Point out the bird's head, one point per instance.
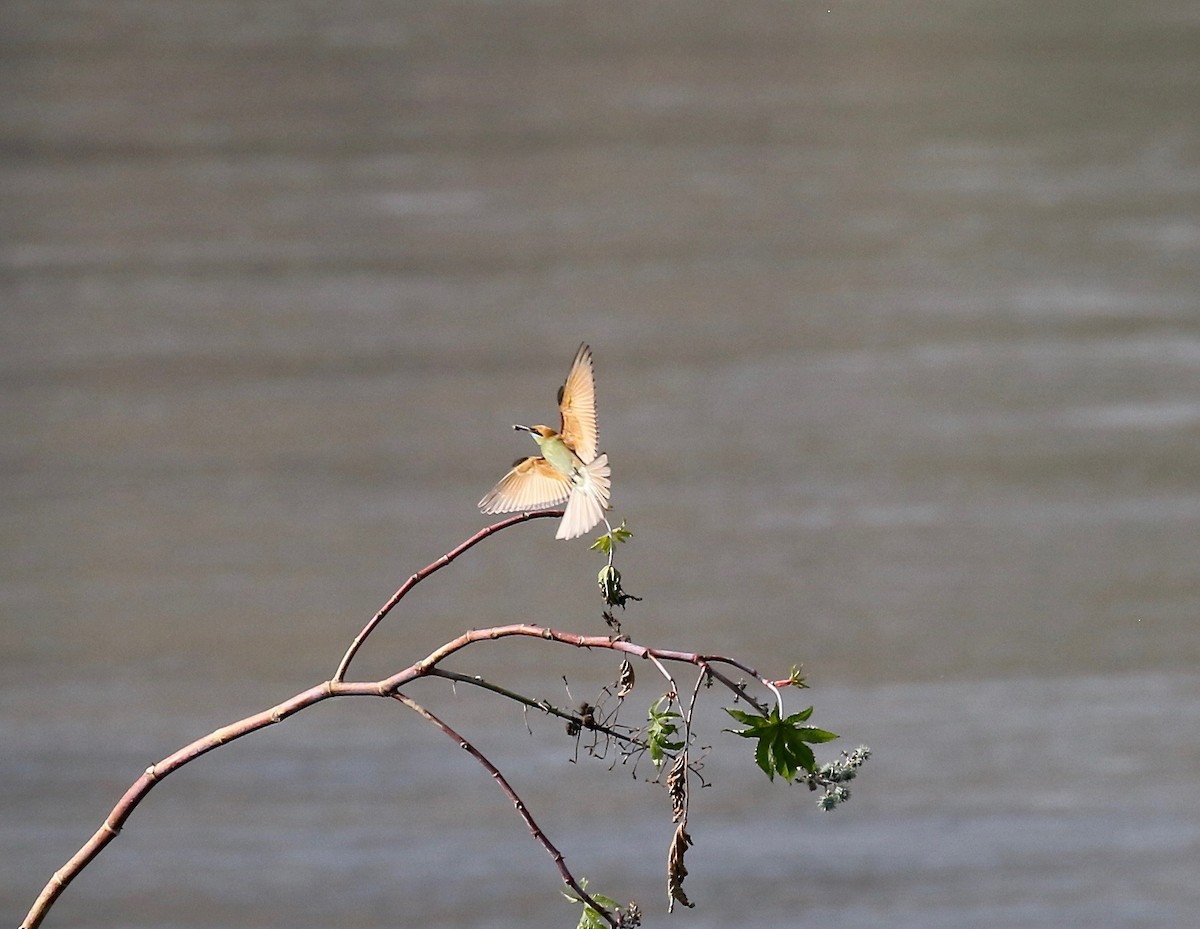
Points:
(539, 433)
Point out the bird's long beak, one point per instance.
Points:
(521, 428)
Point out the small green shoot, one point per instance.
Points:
(661, 730)
(604, 543)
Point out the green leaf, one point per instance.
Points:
(762, 756)
(604, 543)
(589, 918)
(815, 736)
(782, 743)
(660, 731)
(742, 717)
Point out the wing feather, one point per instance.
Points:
(577, 403)
(533, 484)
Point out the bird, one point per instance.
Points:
(569, 469)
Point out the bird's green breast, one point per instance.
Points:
(555, 451)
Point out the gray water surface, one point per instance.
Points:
(896, 316)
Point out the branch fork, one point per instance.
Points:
(391, 687)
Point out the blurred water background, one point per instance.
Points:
(896, 314)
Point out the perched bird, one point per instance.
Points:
(569, 468)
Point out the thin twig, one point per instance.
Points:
(737, 688)
(685, 758)
(687, 716)
(340, 673)
(674, 692)
(544, 705)
(518, 803)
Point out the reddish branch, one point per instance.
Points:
(518, 803)
(388, 687)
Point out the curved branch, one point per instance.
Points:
(387, 687)
(156, 772)
(340, 673)
(657, 655)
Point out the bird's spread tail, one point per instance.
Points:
(588, 500)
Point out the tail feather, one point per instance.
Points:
(588, 500)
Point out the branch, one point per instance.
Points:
(429, 569)
(657, 655)
(518, 803)
(337, 686)
(387, 687)
(737, 688)
(156, 772)
(544, 705)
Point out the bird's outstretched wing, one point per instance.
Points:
(577, 403)
(532, 484)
